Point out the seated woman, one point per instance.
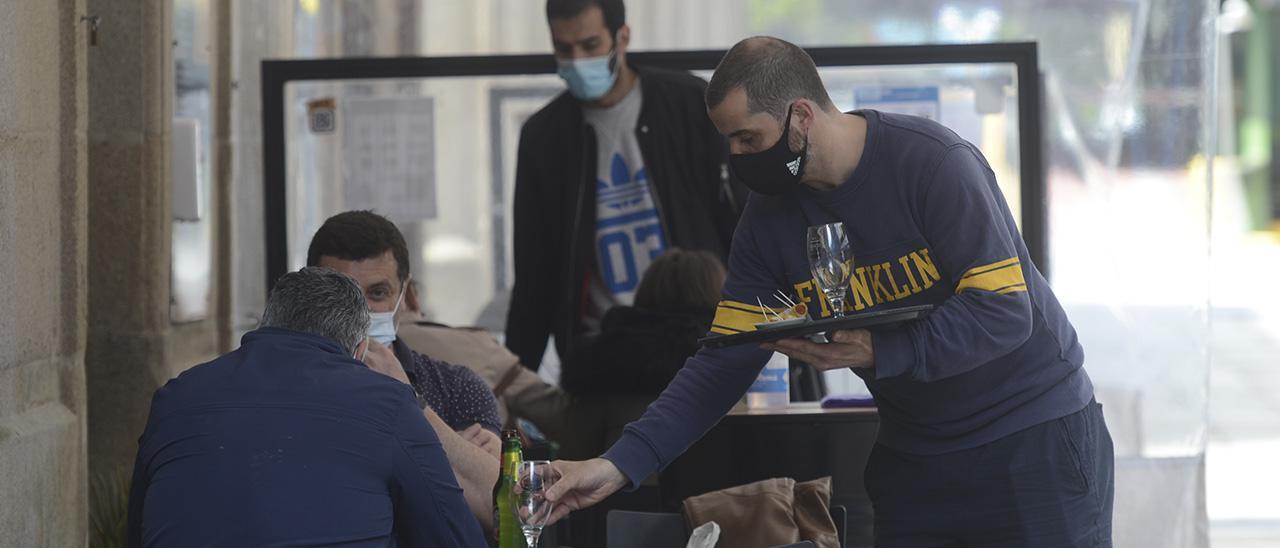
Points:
(612, 377)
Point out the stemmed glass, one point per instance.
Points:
(534, 477)
(831, 263)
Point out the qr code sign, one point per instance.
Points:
(322, 115)
(323, 121)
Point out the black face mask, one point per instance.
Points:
(774, 171)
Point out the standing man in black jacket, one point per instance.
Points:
(622, 166)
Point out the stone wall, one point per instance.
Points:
(85, 248)
(43, 267)
(131, 87)
(132, 346)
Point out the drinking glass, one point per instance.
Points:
(534, 477)
(831, 263)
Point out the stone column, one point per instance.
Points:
(130, 73)
(224, 197)
(42, 273)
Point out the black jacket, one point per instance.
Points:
(555, 202)
(637, 353)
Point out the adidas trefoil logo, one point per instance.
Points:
(794, 165)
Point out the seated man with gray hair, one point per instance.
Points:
(290, 440)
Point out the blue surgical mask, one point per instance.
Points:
(589, 78)
(382, 325)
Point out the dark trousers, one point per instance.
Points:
(1049, 485)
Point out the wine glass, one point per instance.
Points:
(831, 263)
(534, 477)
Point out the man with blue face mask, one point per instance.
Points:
(622, 166)
(455, 401)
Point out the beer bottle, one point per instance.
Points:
(505, 522)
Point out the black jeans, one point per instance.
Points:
(1049, 485)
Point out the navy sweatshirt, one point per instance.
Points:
(288, 441)
(927, 224)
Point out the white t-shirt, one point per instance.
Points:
(628, 230)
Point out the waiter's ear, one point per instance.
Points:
(803, 112)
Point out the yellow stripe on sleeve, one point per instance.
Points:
(735, 317)
(1002, 277)
(978, 270)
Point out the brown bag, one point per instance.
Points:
(813, 513)
(767, 513)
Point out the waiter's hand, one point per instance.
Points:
(582, 484)
(381, 359)
(848, 348)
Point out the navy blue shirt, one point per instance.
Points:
(927, 224)
(289, 441)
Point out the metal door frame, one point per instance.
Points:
(277, 74)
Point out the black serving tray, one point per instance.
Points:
(879, 318)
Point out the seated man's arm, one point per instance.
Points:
(470, 401)
(480, 437)
(467, 423)
(467, 405)
(475, 468)
(430, 507)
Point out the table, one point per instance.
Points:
(802, 441)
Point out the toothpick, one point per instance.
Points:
(786, 299)
(762, 309)
(777, 315)
(765, 310)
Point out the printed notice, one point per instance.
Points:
(389, 156)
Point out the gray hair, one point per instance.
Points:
(320, 301)
(772, 72)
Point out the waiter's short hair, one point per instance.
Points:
(615, 13)
(772, 72)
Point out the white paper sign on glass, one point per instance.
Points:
(389, 163)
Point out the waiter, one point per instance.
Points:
(989, 432)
